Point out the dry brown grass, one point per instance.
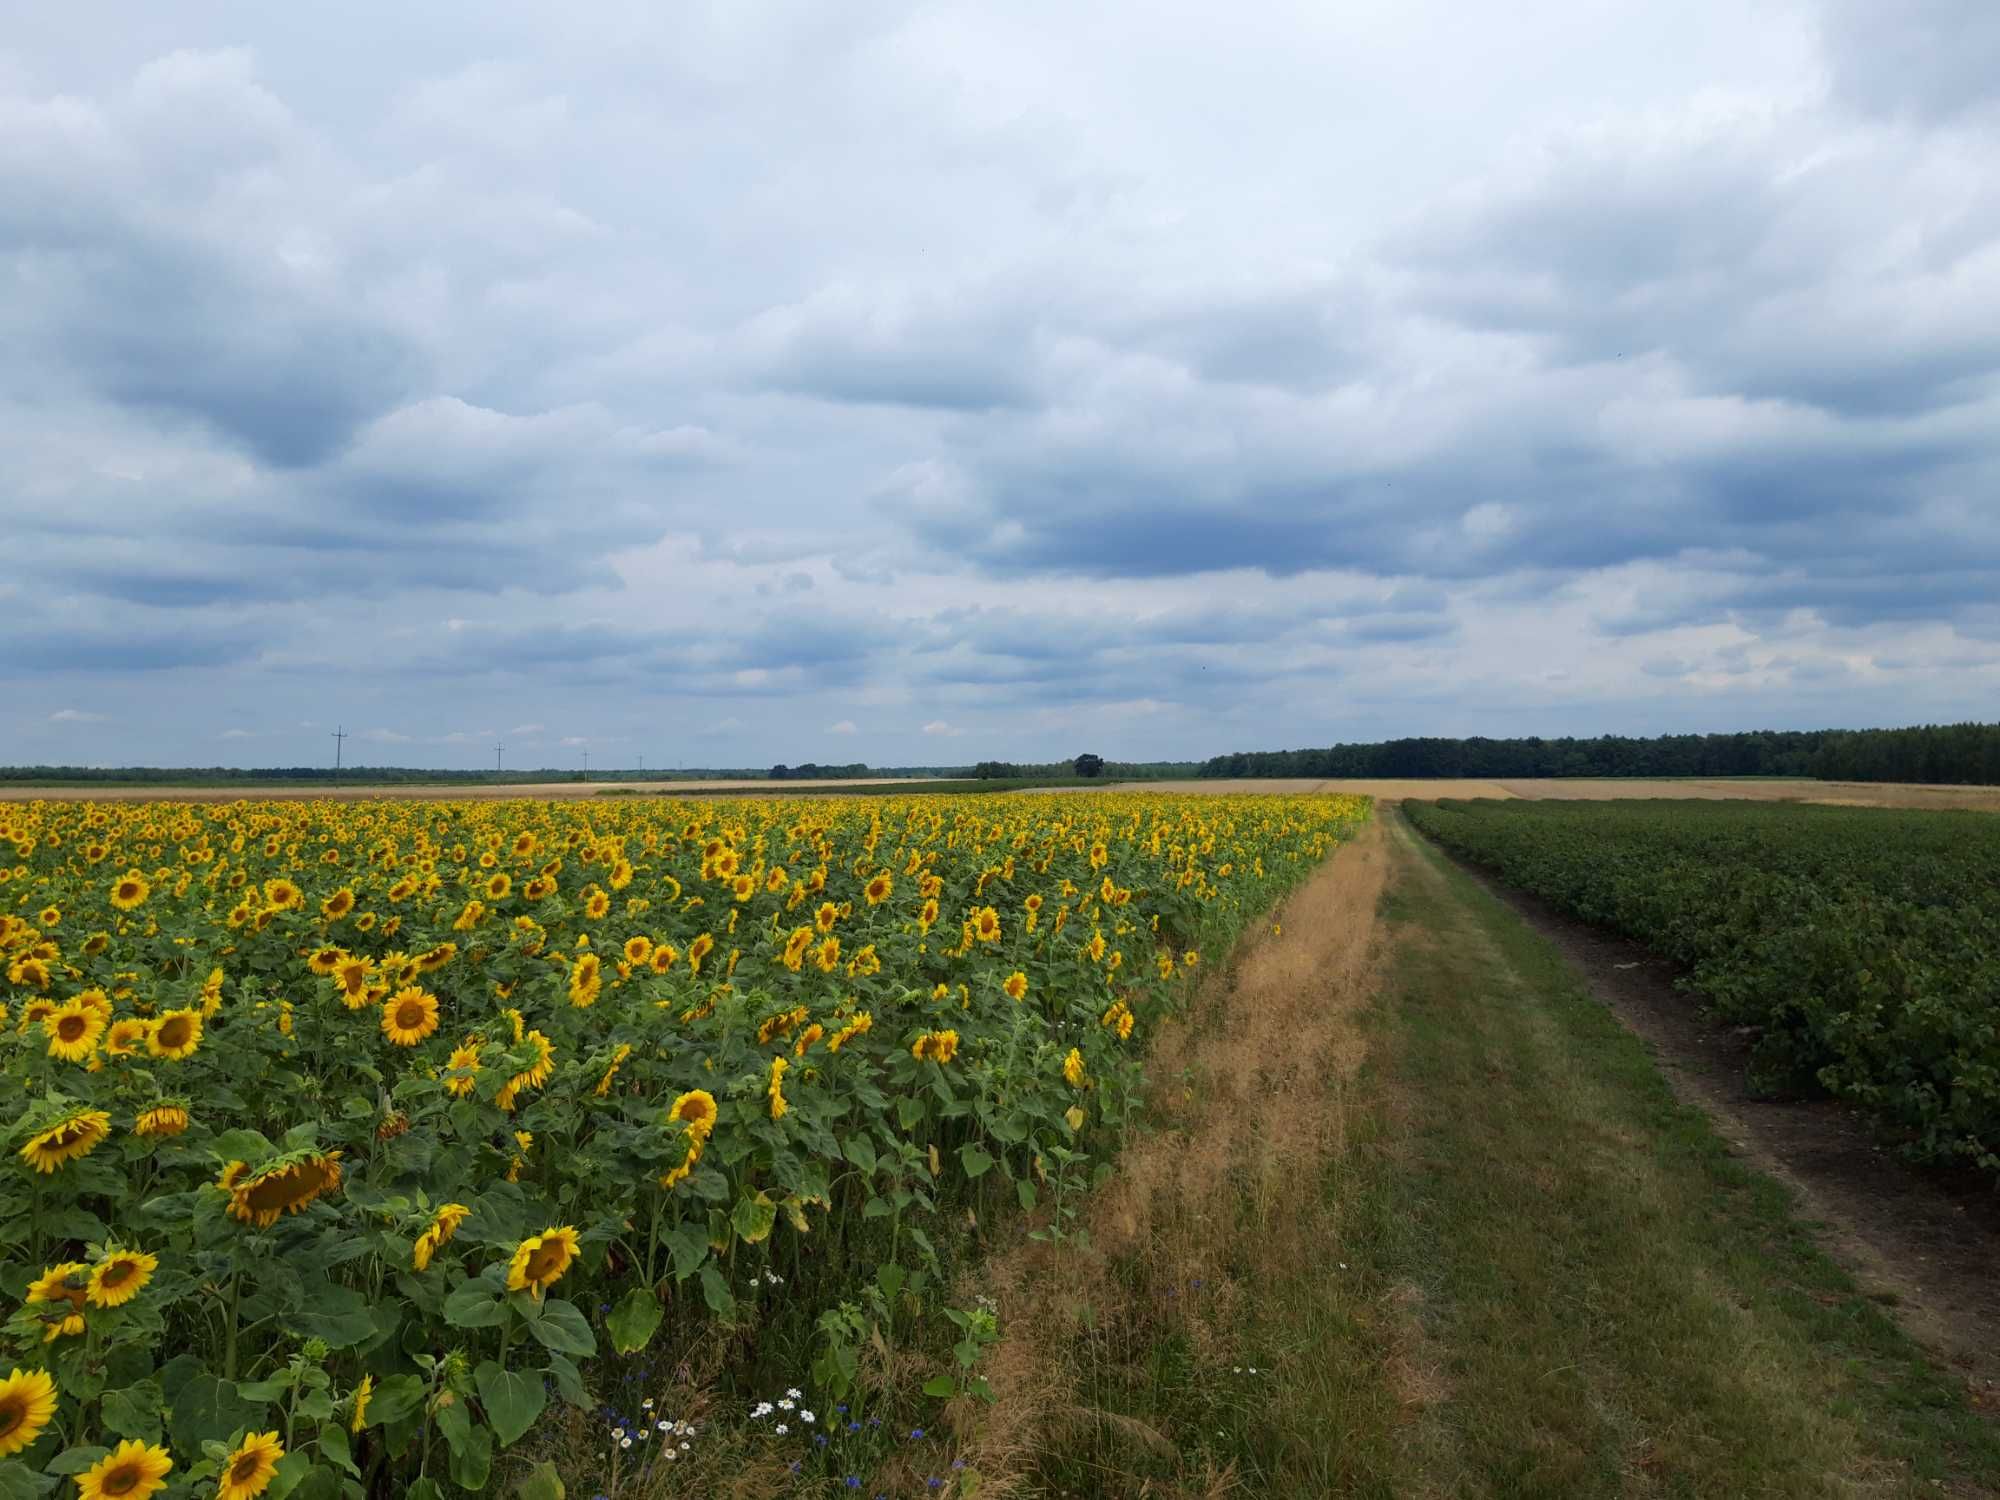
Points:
(1251, 1093)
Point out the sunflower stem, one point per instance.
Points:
(235, 1307)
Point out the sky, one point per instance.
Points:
(729, 383)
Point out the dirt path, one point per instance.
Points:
(1928, 1245)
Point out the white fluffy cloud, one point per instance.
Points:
(1004, 374)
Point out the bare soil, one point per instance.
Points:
(1924, 1243)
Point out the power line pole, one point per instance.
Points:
(642, 768)
(586, 765)
(339, 734)
(496, 758)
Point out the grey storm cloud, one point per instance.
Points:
(710, 373)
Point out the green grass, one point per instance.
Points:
(1540, 1275)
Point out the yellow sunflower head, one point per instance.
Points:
(248, 1471)
(27, 1406)
(120, 1276)
(541, 1259)
(409, 1015)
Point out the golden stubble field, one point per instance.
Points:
(1828, 793)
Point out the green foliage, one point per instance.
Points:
(1862, 944)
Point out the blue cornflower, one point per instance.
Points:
(854, 1481)
(853, 1426)
(915, 1433)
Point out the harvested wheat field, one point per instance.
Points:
(1800, 789)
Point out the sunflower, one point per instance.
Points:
(664, 956)
(499, 887)
(596, 905)
(775, 1090)
(826, 957)
(438, 1235)
(338, 905)
(286, 1186)
(743, 887)
(353, 975)
(699, 949)
(283, 895)
(586, 981)
(250, 1469)
(97, 1000)
(935, 1046)
(410, 1015)
(73, 1031)
(459, 1080)
(60, 1286)
(532, 1077)
(879, 889)
(324, 959)
(1073, 1069)
(603, 1088)
(32, 973)
(794, 954)
(859, 1024)
(75, 1135)
(1015, 985)
(130, 891)
(696, 1110)
(638, 950)
(120, 1276)
(986, 925)
(362, 1394)
(27, 1405)
(175, 1035)
(131, 1471)
(540, 1260)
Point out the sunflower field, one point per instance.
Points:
(342, 1137)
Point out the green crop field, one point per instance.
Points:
(1862, 943)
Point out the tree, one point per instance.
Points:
(1089, 765)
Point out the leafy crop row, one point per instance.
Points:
(1863, 944)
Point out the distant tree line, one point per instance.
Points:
(1941, 753)
(811, 772)
(1086, 766)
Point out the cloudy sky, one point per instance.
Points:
(731, 382)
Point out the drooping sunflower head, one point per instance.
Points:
(157, 1121)
(696, 1110)
(286, 1186)
(75, 1135)
(459, 1072)
(586, 981)
(541, 1259)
